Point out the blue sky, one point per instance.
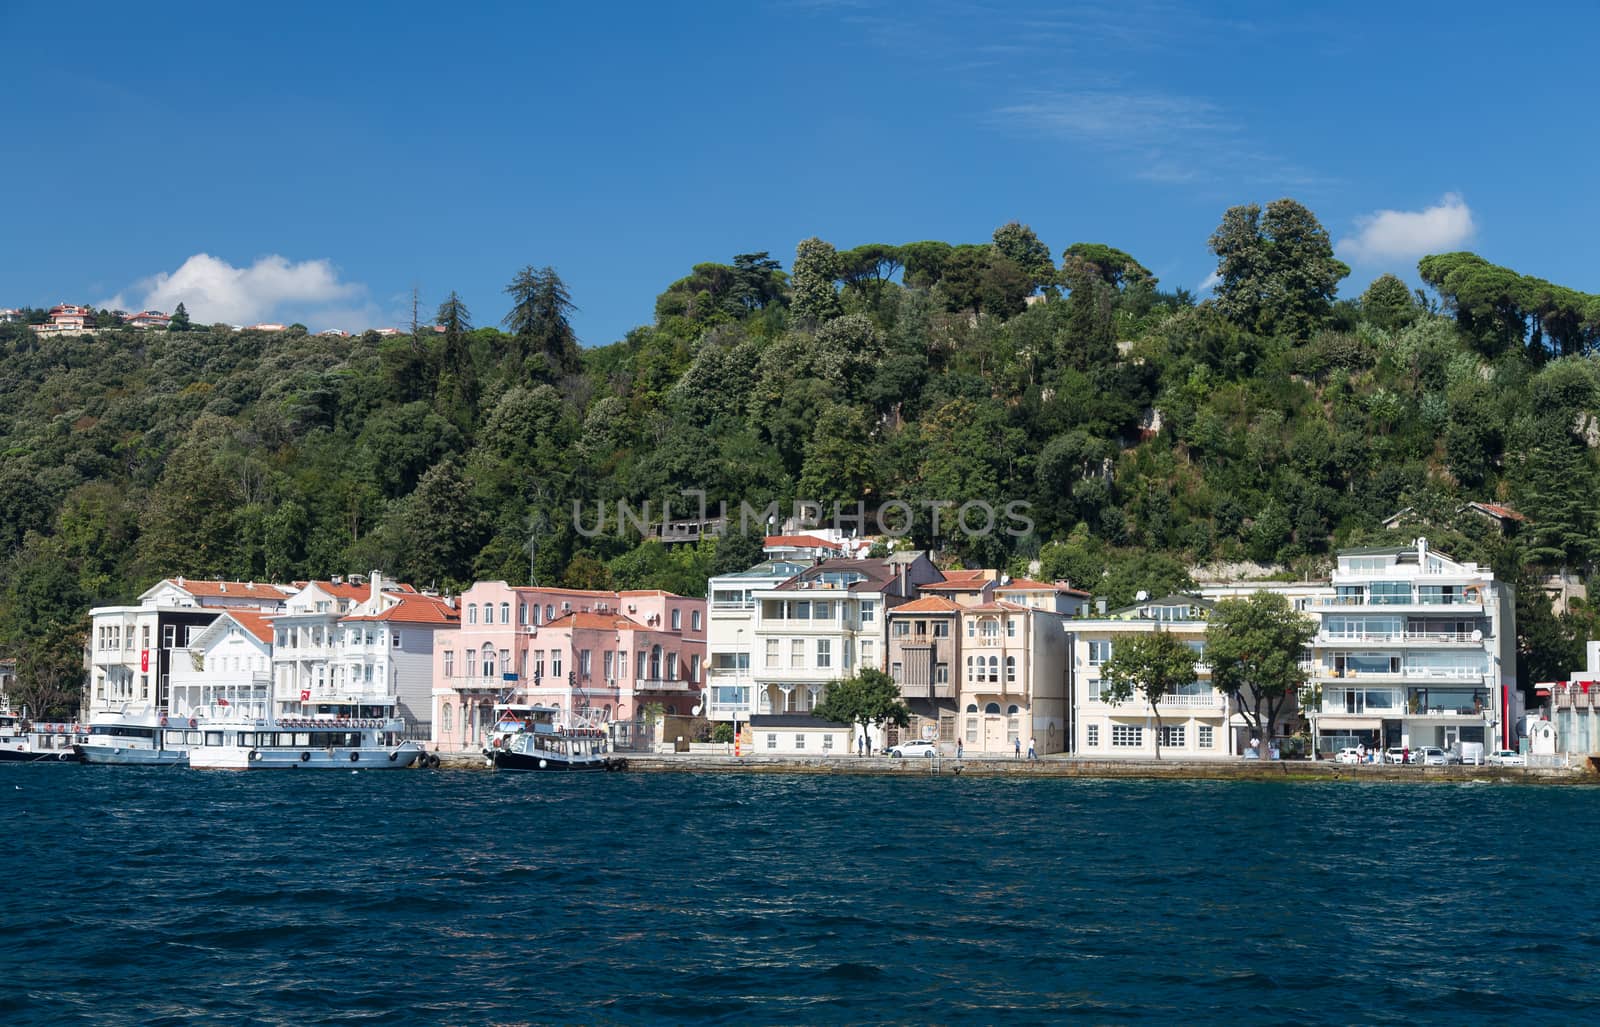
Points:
(315, 162)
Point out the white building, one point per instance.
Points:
(730, 635)
(1414, 649)
(1193, 719)
(129, 652)
(225, 669)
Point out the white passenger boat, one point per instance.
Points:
(25, 741)
(139, 738)
(345, 738)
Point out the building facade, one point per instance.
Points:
(1414, 648)
(730, 636)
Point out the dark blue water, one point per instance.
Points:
(179, 897)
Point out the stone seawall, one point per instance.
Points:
(1060, 766)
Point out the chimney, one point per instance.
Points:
(1100, 607)
(222, 586)
(377, 588)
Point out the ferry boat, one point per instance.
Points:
(26, 741)
(139, 738)
(537, 738)
(355, 735)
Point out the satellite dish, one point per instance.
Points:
(697, 708)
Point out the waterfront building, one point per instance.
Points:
(924, 652)
(358, 639)
(224, 669)
(730, 634)
(611, 655)
(1194, 718)
(148, 319)
(67, 317)
(128, 657)
(1414, 648)
(824, 623)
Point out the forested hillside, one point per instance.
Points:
(1273, 423)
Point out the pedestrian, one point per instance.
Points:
(1405, 755)
(861, 746)
(1017, 742)
(1033, 748)
(960, 751)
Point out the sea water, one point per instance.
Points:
(139, 896)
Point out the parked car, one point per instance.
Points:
(1397, 754)
(915, 747)
(1507, 758)
(1432, 756)
(1347, 755)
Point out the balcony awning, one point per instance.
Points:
(1351, 723)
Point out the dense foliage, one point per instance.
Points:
(1150, 434)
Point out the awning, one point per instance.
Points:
(1350, 723)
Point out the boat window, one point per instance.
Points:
(302, 738)
(213, 737)
(174, 737)
(246, 738)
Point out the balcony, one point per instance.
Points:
(1395, 603)
(1401, 638)
(663, 685)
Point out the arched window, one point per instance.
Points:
(972, 707)
(994, 668)
(490, 659)
(992, 710)
(1011, 668)
(549, 612)
(1013, 710)
(655, 663)
(969, 669)
(472, 613)
(505, 613)
(444, 718)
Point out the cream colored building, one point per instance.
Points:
(1193, 720)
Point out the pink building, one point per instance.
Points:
(612, 653)
(68, 317)
(148, 319)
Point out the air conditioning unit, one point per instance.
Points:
(566, 607)
(632, 608)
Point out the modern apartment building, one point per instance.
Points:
(730, 634)
(1414, 648)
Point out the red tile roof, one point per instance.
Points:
(955, 586)
(798, 542)
(927, 604)
(1028, 585)
(414, 610)
(966, 575)
(258, 624)
(594, 621)
(1496, 510)
(998, 606)
(233, 589)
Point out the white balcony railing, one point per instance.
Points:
(1398, 637)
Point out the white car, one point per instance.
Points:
(1507, 758)
(915, 747)
(1432, 756)
(1348, 755)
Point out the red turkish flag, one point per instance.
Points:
(305, 695)
(144, 661)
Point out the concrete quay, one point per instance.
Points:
(1071, 766)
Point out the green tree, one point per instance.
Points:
(813, 298)
(870, 699)
(1018, 244)
(1277, 273)
(1388, 303)
(180, 320)
(1254, 645)
(1151, 666)
(539, 317)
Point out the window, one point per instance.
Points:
(549, 612)
(449, 663)
(535, 614)
(1011, 670)
(921, 628)
(941, 629)
(822, 610)
(694, 620)
(994, 668)
(799, 740)
(694, 667)
(1207, 739)
(1099, 651)
(522, 614)
(488, 658)
(622, 663)
(555, 663)
(538, 663)
(583, 663)
(824, 653)
(472, 613)
(644, 659)
(972, 730)
(1011, 627)
(1126, 736)
(869, 612)
(1172, 735)
(677, 619)
(1094, 736)
(827, 742)
(505, 613)
(867, 653)
(395, 640)
(991, 709)
(900, 629)
(444, 717)
(972, 628)
(989, 629)
(970, 669)
(772, 653)
(941, 673)
(672, 666)
(606, 659)
(897, 671)
(797, 652)
(772, 741)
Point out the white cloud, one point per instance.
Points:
(1211, 282)
(1409, 234)
(273, 288)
